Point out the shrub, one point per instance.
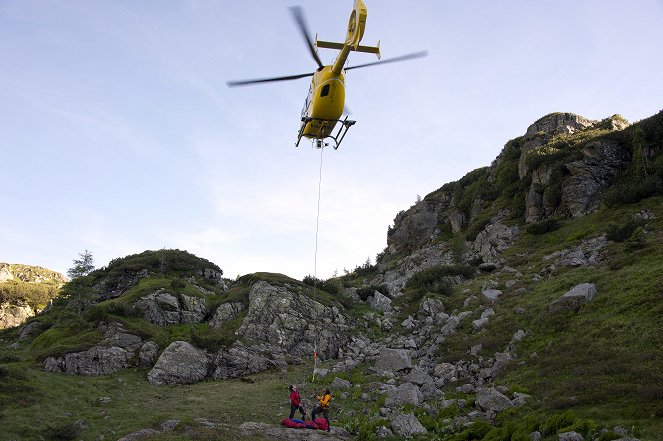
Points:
(64, 431)
(543, 226)
(177, 283)
(556, 422)
(620, 233)
(331, 286)
(366, 292)
(436, 279)
(631, 189)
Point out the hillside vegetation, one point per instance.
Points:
(470, 292)
(26, 284)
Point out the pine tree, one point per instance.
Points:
(82, 266)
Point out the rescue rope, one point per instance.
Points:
(315, 268)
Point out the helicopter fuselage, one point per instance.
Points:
(324, 103)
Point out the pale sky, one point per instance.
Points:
(118, 133)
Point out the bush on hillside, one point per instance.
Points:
(331, 286)
(543, 226)
(631, 189)
(36, 295)
(174, 262)
(621, 233)
(367, 291)
(437, 279)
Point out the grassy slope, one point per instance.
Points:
(56, 400)
(603, 360)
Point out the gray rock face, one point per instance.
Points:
(238, 360)
(293, 321)
(406, 393)
(149, 352)
(414, 227)
(93, 362)
(116, 335)
(226, 312)
(179, 363)
(14, 315)
(493, 240)
(418, 377)
(492, 400)
(380, 302)
(164, 308)
(393, 360)
(407, 425)
(28, 330)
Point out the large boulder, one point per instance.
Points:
(574, 298)
(393, 360)
(418, 376)
(380, 302)
(407, 425)
(285, 317)
(406, 393)
(180, 363)
(489, 399)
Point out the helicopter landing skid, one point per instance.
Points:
(319, 142)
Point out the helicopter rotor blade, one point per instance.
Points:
(266, 80)
(298, 15)
(392, 60)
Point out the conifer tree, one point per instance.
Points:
(82, 266)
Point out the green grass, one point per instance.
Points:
(136, 404)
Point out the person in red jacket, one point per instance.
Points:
(296, 402)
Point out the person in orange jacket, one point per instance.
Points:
(323, 408)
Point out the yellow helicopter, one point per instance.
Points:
(325, 101)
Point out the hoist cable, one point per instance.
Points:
(315, 267)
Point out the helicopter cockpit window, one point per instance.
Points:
(325, 90)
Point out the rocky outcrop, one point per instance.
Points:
(30, 274)
(226, 312)
(14, 315)
(164, 308)
(413, 228)
(117, 350)
(291, 320)
(493, 239)
(26, 290)
(239, 360)
(95, 361)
